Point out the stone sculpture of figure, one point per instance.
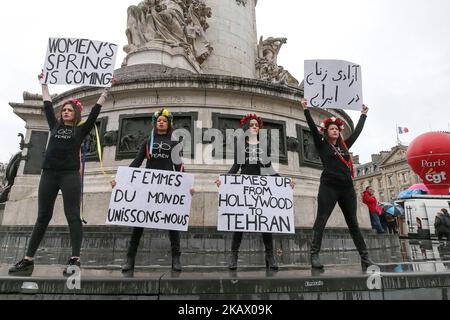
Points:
(140, 25)
(127, 143)
(169, 20)
(195, 31)
(179, 23)
(91, 143)
(267, 62)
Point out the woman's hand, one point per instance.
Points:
(293, 184)
(101, 101)
(113, 183)
(41, 76)
(45, 92)
(192, 191)
(304, 103)
(365, 110)
(218, 182)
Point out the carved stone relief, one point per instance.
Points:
(267, 62)
(177, 23)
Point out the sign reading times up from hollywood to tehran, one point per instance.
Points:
(260, 204)
(333, 84)
(86, 62)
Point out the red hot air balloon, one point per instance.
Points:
(429, 157)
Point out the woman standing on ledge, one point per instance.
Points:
(336, 182)
(61, 171)
(162, 154)
(253, 162)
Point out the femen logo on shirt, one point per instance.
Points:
(64, 133)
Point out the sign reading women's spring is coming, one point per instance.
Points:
(333, 84)
(256, 204)
(151, 199)
(79, 62)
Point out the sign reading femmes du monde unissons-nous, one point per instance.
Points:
(151, 199)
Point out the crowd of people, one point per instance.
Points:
(380, 219)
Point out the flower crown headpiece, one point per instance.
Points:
(76, 102)
(250, 117)
(333, 120)
(163, 112)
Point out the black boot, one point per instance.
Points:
(129, 265)
(23, 268)
(233, 261)
(71, 264)
(176, 262)
(315, 262)
(315, 249)
(360, 244)
(271, 263)
(132, 249)
(235, 245)
(366, 262)
(176, 252)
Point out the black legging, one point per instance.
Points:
(136, 238)
(346, 198)
(70, 185)
(237, 239)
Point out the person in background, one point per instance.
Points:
(392, 224)
(372, 204)
(442, 225)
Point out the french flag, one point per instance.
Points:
(402, 130)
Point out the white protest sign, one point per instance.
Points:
(151, 199)
(256, 204)
(333, 84)
(79, 62)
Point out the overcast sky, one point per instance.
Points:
(403, 47)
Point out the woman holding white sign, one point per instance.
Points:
(162, 154)
(61, 171)
(336, 182)
(251, 161)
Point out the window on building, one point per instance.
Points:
(380, 183)
(405, 177)
(390, 182)
(382, 198)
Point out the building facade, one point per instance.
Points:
(388, 174)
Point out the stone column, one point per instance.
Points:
(233, 36)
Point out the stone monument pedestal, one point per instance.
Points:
(162, 53)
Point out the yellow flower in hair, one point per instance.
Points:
(166, 113)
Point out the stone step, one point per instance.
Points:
(345, 282)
